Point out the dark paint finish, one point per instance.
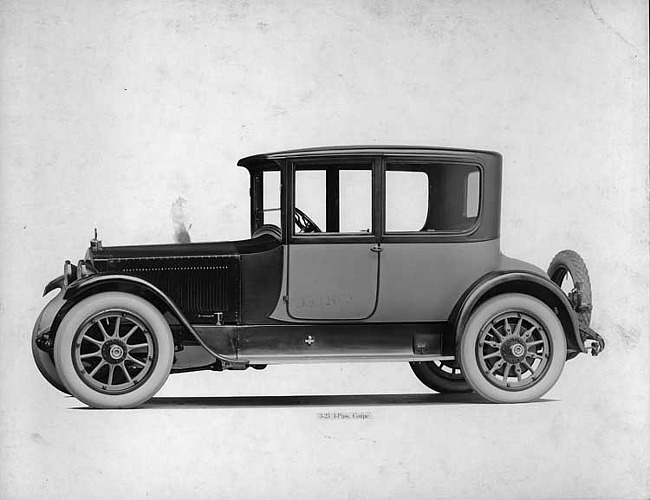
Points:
(206, 289)
(251, 162)
(261, 285)
(54, 284)
(220, 339)
(344, 340)
(239, 247)
(209, 282)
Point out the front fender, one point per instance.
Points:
(525, 282)
(97, 283)
(116, 282)
(46, 319)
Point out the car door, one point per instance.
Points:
(332, 255)
(430, 257)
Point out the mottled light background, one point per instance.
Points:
(109, 111)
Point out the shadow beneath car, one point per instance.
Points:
(339, 400)
(317, 400)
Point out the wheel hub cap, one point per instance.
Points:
(114, 351)
(513, 350)
(517, 350)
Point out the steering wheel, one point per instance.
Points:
(304, 223)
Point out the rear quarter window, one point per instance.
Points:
(431, 198)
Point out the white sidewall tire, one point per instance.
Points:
(485, 313)
(76, 318)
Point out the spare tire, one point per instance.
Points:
(568, 271)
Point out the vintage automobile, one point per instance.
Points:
(356, 254)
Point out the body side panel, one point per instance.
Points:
(422, 282)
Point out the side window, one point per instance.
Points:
(271, 198)
(355, 201)
(429, 198)
(473, 189)
(311, 197)
(407, 200)
(333, 200)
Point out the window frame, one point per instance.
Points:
(429, 236)
(263, 210)
(256, 192)
(336, 163)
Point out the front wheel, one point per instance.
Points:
(513, 349)
(113, 350)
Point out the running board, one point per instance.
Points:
(331, 342)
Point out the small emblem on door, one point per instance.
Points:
(309, 340)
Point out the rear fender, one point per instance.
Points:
(541, 288)
(98, 283)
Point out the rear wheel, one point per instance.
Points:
(513, 349)
(443, 376)
(113, 350)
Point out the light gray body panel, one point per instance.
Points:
(331, 282)
(422, 282)
(417, 282)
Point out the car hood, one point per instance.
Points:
(229, 248)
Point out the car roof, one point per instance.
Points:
(372, 150)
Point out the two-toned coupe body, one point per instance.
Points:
(356, 254)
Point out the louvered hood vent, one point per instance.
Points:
(202, 287)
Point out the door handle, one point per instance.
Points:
(376, 248)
